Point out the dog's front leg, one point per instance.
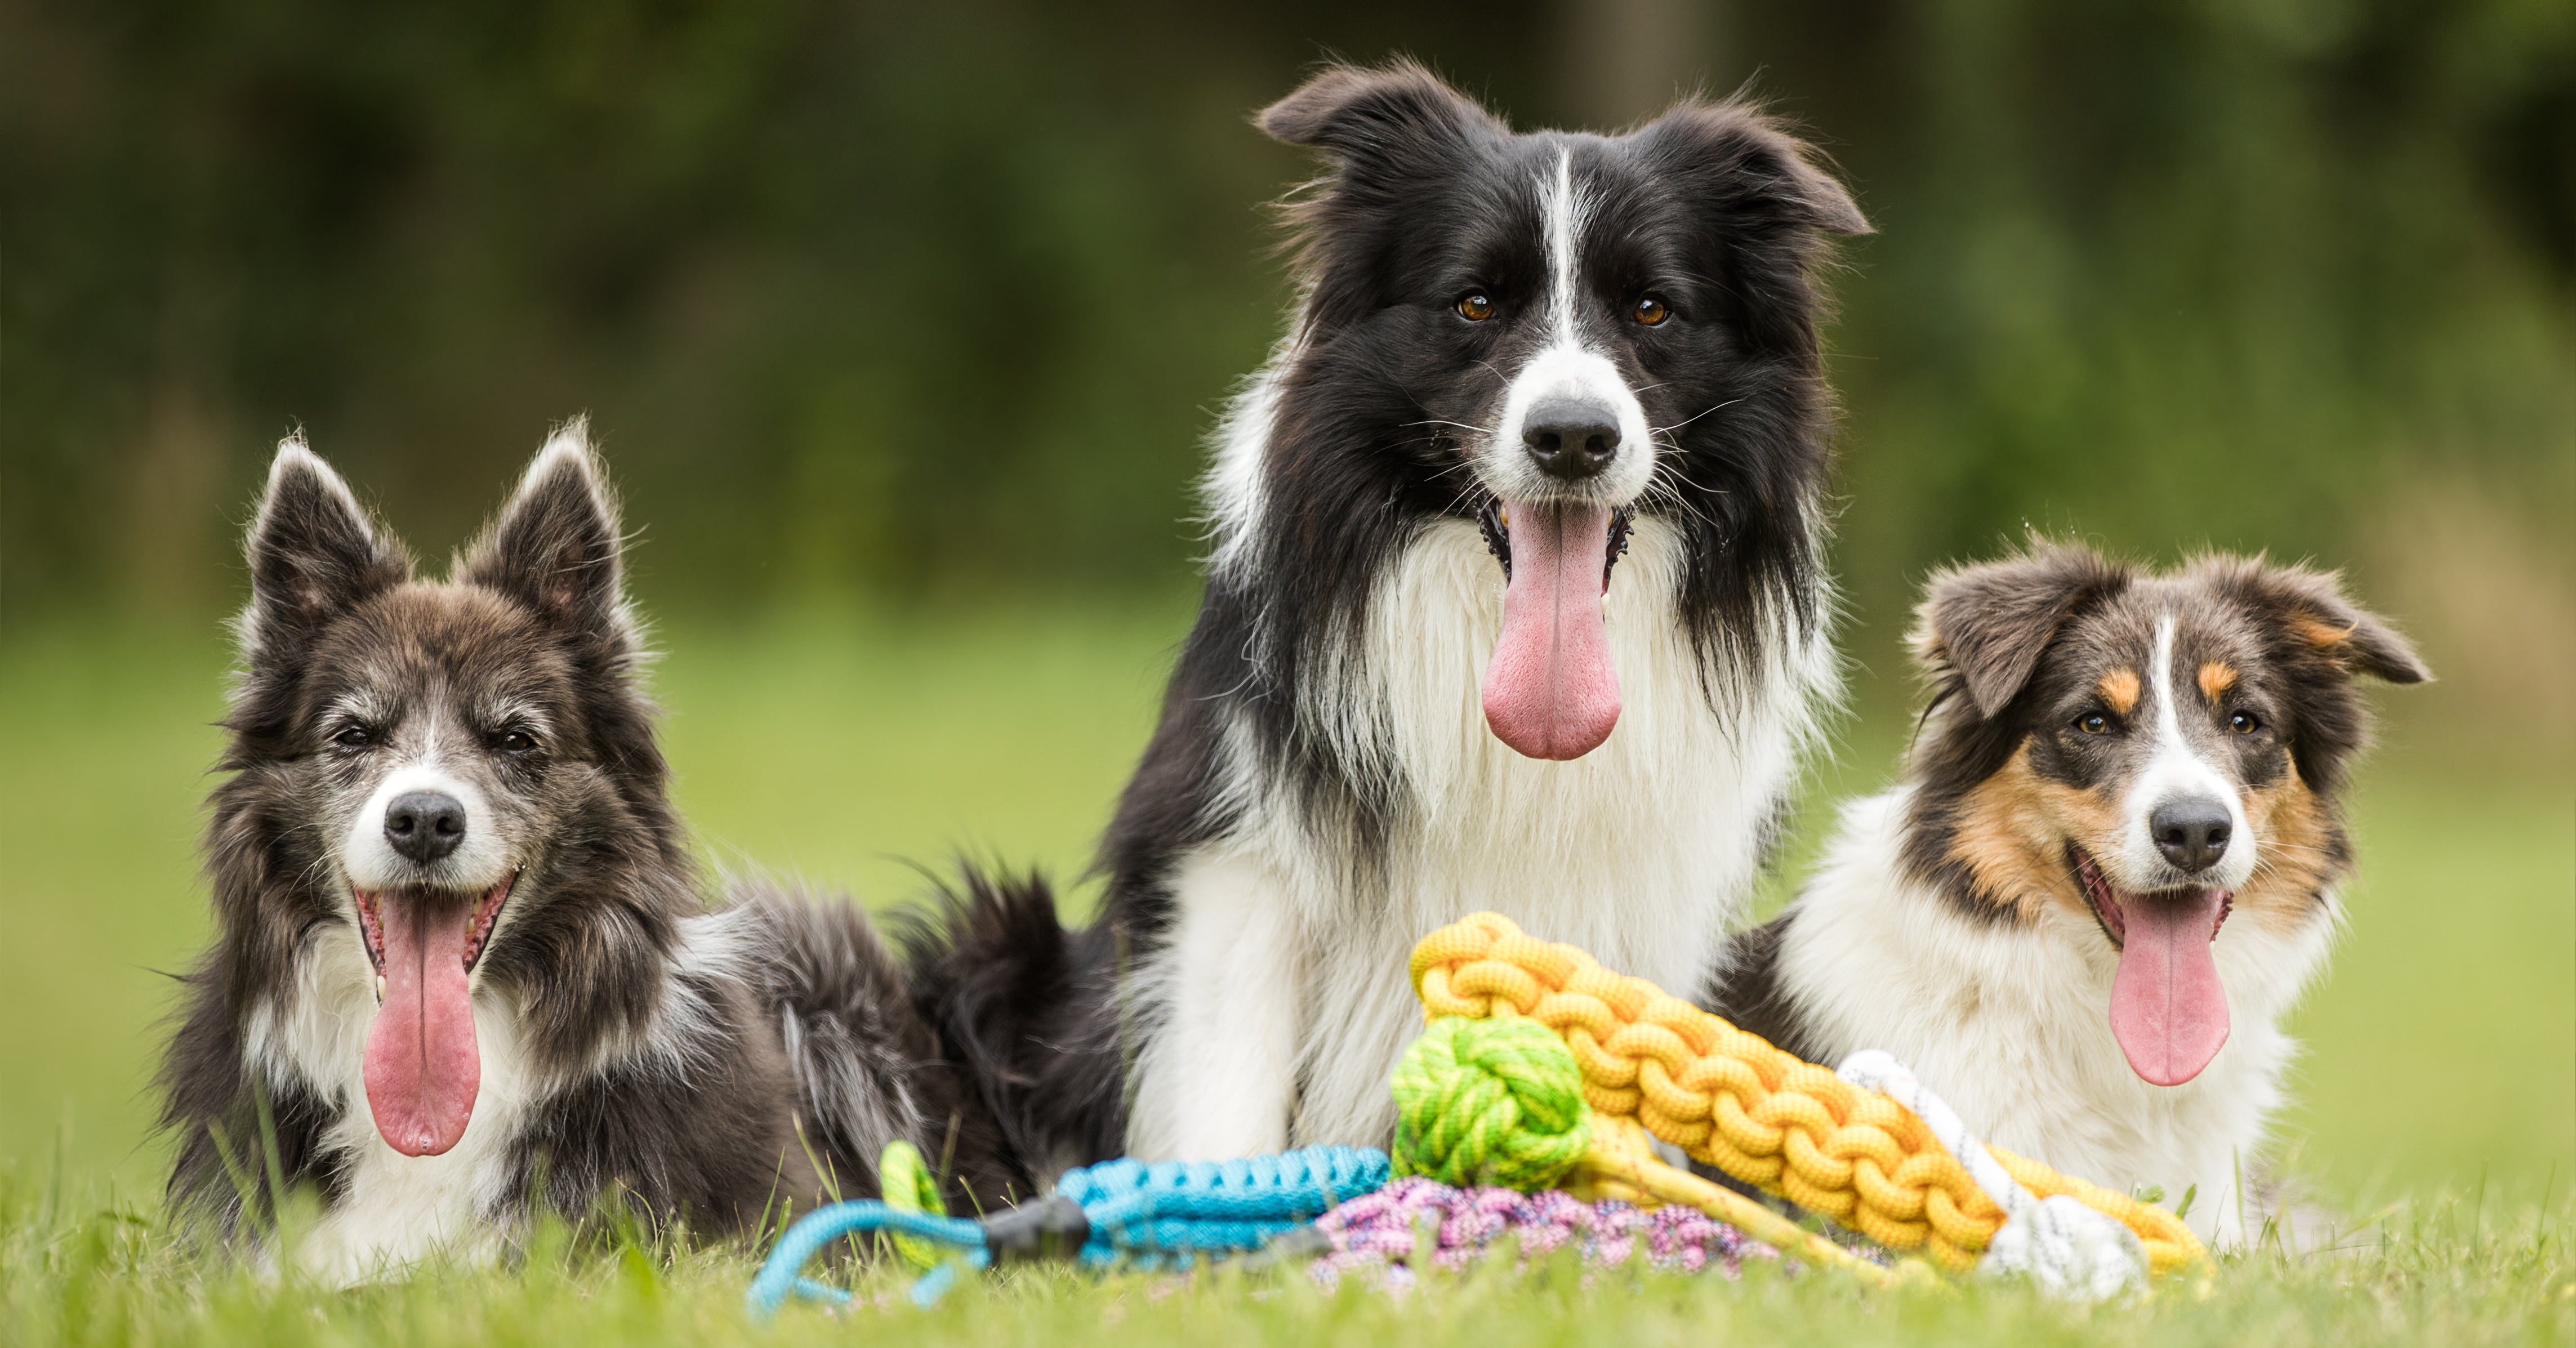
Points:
(1217, 1074)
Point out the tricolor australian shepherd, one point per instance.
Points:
(2109, 871)
(462, 966)
(1516, 603)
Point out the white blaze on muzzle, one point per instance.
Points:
(1550, 689)
(2168, 1007)
(2176, 769)
(371, 862)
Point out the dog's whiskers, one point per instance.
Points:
(1461, 425)
(1694, 483)
(1689, 508)
(1667, 430)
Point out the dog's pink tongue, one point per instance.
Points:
(1550, 691)
(2167, 1007)
(422, 1066)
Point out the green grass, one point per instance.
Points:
(2438, 1097)
(2447, 1274)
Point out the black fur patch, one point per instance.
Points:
(995, 971)
(1744, 988)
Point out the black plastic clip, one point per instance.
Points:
(1051, 1228)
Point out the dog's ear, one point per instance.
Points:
(1365, 116)
(1763, 207)
(2310, 616)
(1392, 134)
(1985, 626)
(555, 547)
(1756, 173)
(2320, 643)
(314, 553)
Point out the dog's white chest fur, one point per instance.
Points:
(2011, 1025)
(395, 1210)
(1281, 1003)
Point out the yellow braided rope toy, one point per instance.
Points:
(1731, 1100)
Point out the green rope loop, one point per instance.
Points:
(1490, 1102)
(905, 1180)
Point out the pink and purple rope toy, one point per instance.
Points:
(1384, 1230)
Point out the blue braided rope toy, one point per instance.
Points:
(1168, 1214)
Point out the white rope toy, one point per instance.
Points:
(2070, 1250)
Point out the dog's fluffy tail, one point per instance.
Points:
(869, 1068)
(1029, 1011)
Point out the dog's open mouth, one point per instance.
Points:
(1550, 690)
(2168, 1008)
(371, 921)
(1498, 537)
(423, 1067)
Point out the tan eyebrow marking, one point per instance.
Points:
(2120, 689)
(2216, 677)
(2320, 634)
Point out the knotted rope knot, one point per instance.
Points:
(1490, 1102)
(2067, 1248)
(1732, 1100)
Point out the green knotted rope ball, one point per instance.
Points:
(1490, 1102)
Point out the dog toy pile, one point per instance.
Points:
(1149, 1216)
(1492, 1120)
(1540, 1069)
(1908, 1178)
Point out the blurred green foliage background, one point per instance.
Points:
(903, 324)
(935, 300)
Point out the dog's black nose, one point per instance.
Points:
(2192, 832)
(1571, 438)
(425, 825)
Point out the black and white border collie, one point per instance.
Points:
(2110, 869)
(1516, 603)
(462, 966)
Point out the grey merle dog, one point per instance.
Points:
(464, 967)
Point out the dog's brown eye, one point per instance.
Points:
(1475, 306)
(2243, 723)
(1651, 312)
(515, 742)
(2094, 723)
(354, 737)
